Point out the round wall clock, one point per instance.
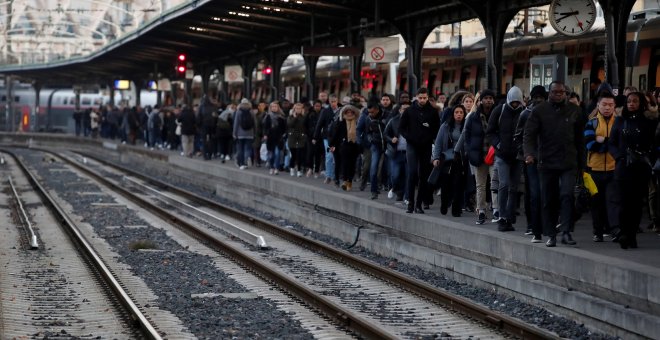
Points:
(572, 17)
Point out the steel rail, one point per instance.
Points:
(34, 244)
(146, 328)
(460, 304)
(327, 307)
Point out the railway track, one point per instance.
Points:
(333, 281)
(54, 285)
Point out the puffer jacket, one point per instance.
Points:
(296, 131)
(475, 143)
(600, 156)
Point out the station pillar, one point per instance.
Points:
(495, 23)
(616, 14)
(414, 39)
(355, 68)
(310, 76)
(276, 61)
(248, 66)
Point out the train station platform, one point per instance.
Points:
(614, 290)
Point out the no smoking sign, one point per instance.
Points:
(377, 53)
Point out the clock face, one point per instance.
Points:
(572, 17)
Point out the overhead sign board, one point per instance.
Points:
(381, 50)
(233, 73)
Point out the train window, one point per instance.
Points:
(86, 101)
(65, 101)
(17, 99)
(570, 66)
(4, 98)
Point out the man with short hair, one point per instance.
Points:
(605, 205)
(554, 140)
(419, 126)
(530, 172)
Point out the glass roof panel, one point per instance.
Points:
(43, 31)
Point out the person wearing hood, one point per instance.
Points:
(274, 128)
(500, 131)
(419, 126)
(344, 144)
(633, 134)
(554, 140)
(243, 133)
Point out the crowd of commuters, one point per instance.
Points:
(479, 153)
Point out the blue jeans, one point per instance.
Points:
(243, 150)
(154, 137)
(329, 161)
(398, 172)
(507, 192)
(557, 197)
(376, 154)
(274, 158)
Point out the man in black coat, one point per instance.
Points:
(419, 126)
(554, 140)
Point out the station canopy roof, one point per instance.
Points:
(87, 40)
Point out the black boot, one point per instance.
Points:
(410, 208)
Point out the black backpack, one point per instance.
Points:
(247, 122)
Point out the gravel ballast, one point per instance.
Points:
(169, 270)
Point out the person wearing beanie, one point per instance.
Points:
(530, 172)
(500, 132)
(554, 140)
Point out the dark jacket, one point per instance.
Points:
(554, 136)
(419, 125)
(187, 122)
(376, 131)
(326, 117)
(475, 143)
(362, 133)
(274, 127)
(297, 136)
(520, 132)
(311, 120)
(633, 134)
(501, 130)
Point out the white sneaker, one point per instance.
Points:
(277, 172)
(227, 158)
(270, 172)
(390, 194)
(243, 167)
(299, 174)
(292, 172)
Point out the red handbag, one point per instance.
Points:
(490, 156)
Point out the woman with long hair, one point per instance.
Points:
(297, 140)
(452, 181)
(344, 142)
(274, 128)
(634, 134)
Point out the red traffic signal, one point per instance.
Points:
(268, 70)
(181, 69)
(182, 57)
